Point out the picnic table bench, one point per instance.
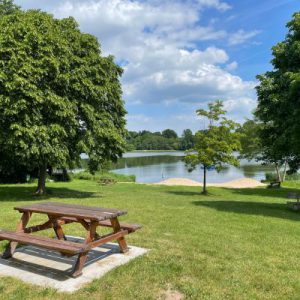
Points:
(294, 205)
(274, 184)
(61, 214)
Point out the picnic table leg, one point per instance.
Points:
(58, 229)
(121, 241)
(11, 247)
(82, 257)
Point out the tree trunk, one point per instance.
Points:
(278, 172)
(41, 188)
(204, 191)
(284, 171)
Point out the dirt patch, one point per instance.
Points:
(170, 294)
(235, 184)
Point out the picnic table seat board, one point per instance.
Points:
(60, 214)
(40, 241)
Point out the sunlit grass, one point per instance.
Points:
(232, 244)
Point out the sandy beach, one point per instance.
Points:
(235, 184)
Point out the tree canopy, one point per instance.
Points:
(165, 140)
(279, 103)
(58, 96)
(215, 145)
(250, 140)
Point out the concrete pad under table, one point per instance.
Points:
(50, 269)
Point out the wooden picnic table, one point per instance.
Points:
(60, 214)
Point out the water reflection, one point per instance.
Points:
(157, 166)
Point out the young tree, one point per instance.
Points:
(214, 146)
(58, 96)
(279, 103)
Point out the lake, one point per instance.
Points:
(149, 167)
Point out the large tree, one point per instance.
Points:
(214, 146)
(58, 96)
(279, 101)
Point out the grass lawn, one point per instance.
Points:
(232, 244)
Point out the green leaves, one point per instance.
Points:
(215, 145)
(58, 96)
(278, 107)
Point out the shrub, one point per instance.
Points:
(271, 176)
(295, 176)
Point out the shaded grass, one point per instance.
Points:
(232, 244)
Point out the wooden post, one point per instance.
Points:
(11, 247)
(121, 241)
(82, 257)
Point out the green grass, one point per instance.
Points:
(232, 244)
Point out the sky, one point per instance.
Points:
(178, 56)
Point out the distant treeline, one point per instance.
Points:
(165, 140)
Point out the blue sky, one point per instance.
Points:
(180, 55)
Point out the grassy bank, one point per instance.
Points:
(232, 244)
(85, 175)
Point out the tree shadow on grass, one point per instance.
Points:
(261, 192)
(26, 193)
(264, 192)
(275, 210)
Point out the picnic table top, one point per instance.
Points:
(72, 210)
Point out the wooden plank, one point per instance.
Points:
(92, 208)
(107, 238)
(40, 227)
(77, 211)
(126, 226)
(58, 245)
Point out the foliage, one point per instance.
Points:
(279, 102)
(165, 140)
(214, 146)
(250, 140)
(8, 7)
(187, 139)
(293, 177)
(58, 96)
(169, 134)
(271, 176)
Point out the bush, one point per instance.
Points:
(292, 177)
(271, 177)
(83, 176)
(61, 177)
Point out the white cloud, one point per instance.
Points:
(162, 45)
(231, 66)
(241, 36)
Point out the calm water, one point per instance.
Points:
(157, 166)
